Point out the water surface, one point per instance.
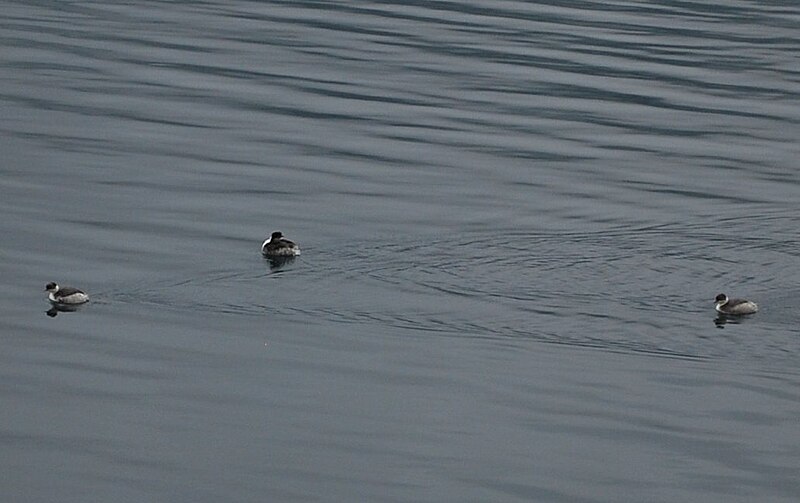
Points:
(514, 219)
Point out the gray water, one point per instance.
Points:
(514, 218)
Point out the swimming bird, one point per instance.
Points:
(65, 295)
(278, 246)
(725, 305)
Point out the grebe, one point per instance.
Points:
(65, 295)
(278, 246)
(725, 305)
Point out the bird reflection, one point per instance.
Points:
(61, 308)
(276, 263)
(722, 319)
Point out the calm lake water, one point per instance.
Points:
(514, 218)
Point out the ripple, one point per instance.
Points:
(654, 284)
